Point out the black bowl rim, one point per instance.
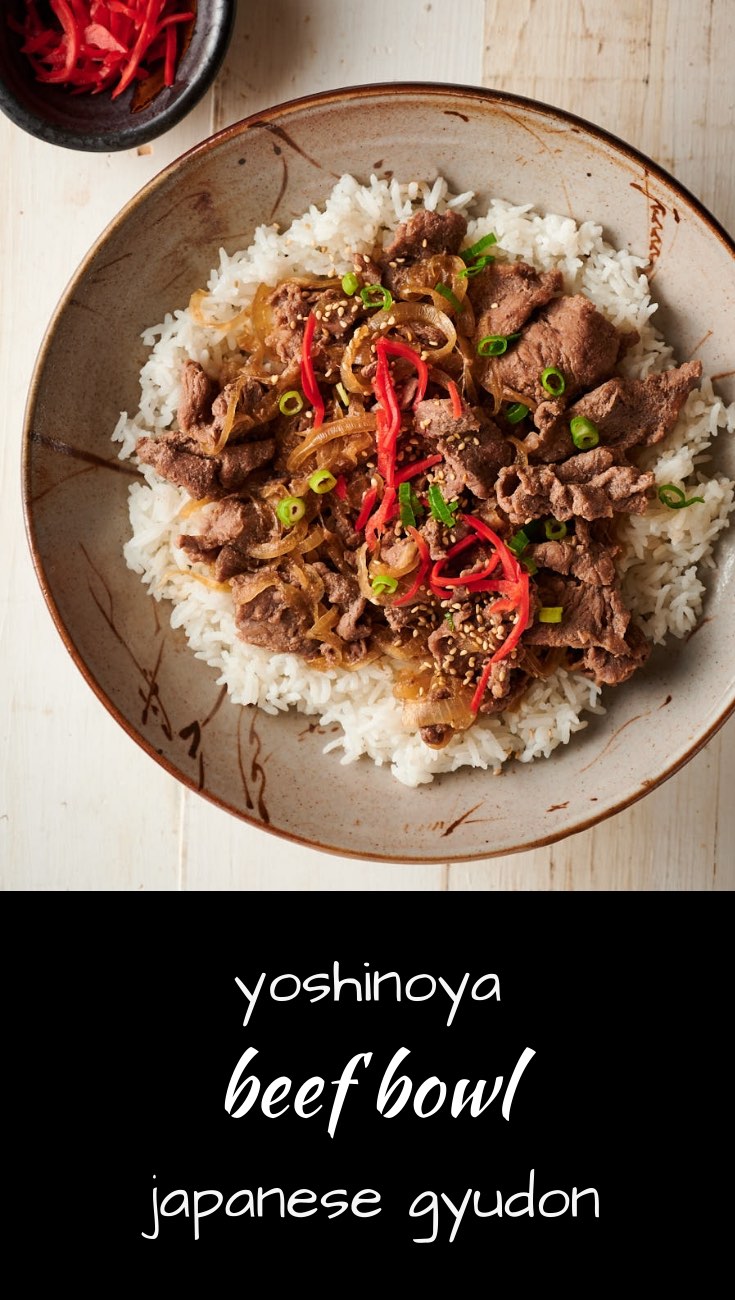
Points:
(288, 107)
(136, 132)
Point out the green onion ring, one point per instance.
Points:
(516, 412)
(374, 295)
(290, 510)
(383, 583)
(291, 402)
(451, 298)
(585, 434)
(350, 283)
(518, 542)
(553, 381)
(322, 481)
(550, 614)
(679, 502)
(474, 250)
(555, 529)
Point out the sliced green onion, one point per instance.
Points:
(476, 267)
(550, 614)
(451, 298)
(291, 402)
(350, 283)
(322, 481)
(585, 434)
(290, 510)
(553, 381)
(518, 542)
(474, 250)
(672, 496)
(342, 393)
(555, 529)
(382, 583)
(494, 345)
(374, 295)
(530, 565)
(516, 412)
(409, 504)
(449, 622)
(442, 510)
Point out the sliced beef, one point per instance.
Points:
(289, 313)
(342, 590)
(592, 616)
(472, 446)
(198, 392)
(426, 233)
(203, 408)
(505, 684)
(505, 294)
(592, 485)
(608, 669)
(436, 536)
(340, 521)
(396, 551)
(231, 527)
(367, 269)
(336, 313)
(627, 412)
(505, 687)
(570, 334)
(581, 556)
(248, 409)
(273, 619)
(179, 461)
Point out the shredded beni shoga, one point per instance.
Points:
(423, 461)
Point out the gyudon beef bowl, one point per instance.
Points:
(389, 518)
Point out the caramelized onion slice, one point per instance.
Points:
(198, 577)
(232, 402)
(222, 327)
(288, 542)
(407, 313)
(322, 628)
(454, 711)
(316, 438)
(351, 357)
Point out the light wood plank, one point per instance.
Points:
(248, 859)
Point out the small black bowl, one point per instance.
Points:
(98, 123)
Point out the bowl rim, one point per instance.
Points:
(284, 110)
(133, 133)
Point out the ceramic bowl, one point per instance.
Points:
(98, 123)
(272, 771)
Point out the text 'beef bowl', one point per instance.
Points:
(404, 486)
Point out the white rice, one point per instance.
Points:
(664, 550)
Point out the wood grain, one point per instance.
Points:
(80, 806)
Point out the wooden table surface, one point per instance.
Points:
(81, 807)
